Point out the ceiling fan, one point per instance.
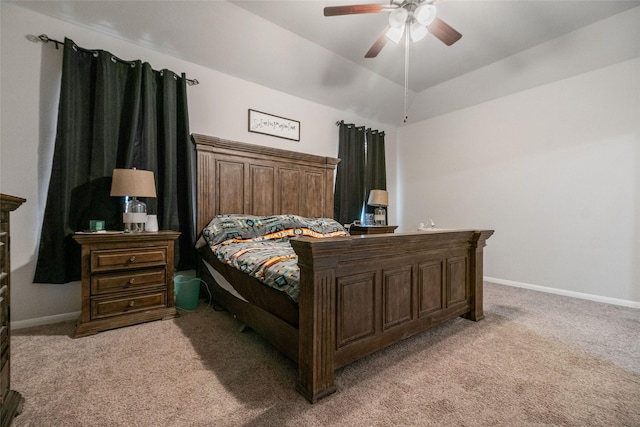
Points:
(417, 16)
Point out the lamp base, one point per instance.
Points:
(134, 216)
(380, 216)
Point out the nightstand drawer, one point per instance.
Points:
(4, 345)
(371, 229)
(2, 245)
(105, 307)
(106, 283)
(114, 259)
(4, 307)
(4, 376)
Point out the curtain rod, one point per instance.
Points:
(45, 39)
(341, 122)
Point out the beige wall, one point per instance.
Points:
(555, 170)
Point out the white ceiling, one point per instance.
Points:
(492, 30)
(290, 46)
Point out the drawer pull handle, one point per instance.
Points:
(131, 281)
(132, 303)
(132, 259)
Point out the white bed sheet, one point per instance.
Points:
(222, 282)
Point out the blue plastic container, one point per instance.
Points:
(187, 290)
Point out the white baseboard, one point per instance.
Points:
(47, 320)
(591, 297)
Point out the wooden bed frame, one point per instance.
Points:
(358, 294)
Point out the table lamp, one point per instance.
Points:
(379, 199)
(130, 184)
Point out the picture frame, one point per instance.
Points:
(269, 124)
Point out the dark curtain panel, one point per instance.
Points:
(350, 180)
(115, 114)
(376, 170)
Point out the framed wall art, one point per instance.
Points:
(277, 126)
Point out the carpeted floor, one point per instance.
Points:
(535, 360)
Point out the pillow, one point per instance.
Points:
(251, 227)
(323, 227)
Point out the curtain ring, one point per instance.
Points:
(95, 53)
(113, 59)
(133, 64)
(74, 47)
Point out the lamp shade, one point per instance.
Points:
(378, 198)
(133, 182)
(398, 17)
(418, 32)
(395, 34)
(425, 14)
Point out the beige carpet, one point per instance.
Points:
(536, 360)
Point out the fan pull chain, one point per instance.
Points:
(406, 73)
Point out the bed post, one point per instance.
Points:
(478, 242)
(317, 319)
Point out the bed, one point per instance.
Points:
(357, 294)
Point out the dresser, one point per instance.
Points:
(127, 278)
(10, 401)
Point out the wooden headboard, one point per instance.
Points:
(238, 178)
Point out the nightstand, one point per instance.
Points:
(371, 229)
(127, 278)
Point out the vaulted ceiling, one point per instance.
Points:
(290, 46)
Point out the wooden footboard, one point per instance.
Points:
(361, 294)
(358, 294)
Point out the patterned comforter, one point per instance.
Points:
(259, 246)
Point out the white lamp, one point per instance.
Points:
(133, 183)
(380, 199)
(418, 31)
(395, 34)
(397, 19)
(425, 14)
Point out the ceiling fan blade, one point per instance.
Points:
(377, 46)
(357, 8)
(444, 32)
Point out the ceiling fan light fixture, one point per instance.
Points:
(398, 17)
(418, 31)
(395, 34)
(425, 14)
